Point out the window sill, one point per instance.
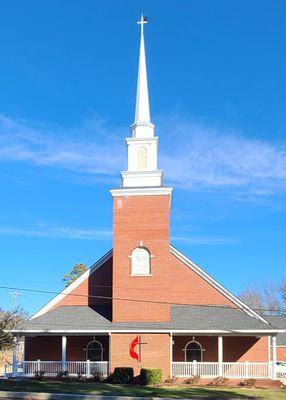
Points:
(140, 275)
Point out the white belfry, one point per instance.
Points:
(143, 145)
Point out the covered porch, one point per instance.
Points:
(234, 357)
(53, 354)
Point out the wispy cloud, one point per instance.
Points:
(94, 152)
(203, 240)
(195, 156)
(207, 158)
(59, 232)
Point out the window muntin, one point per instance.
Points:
(94, 351)
(193, 351)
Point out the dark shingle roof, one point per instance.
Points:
(280, 322)
(210, 318)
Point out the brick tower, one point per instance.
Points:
(141, 220)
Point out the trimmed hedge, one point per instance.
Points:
(123, 375)
(150, 376)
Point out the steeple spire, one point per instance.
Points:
(142, 111)
(142, 126)
(142, 147)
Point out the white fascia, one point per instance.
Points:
(71, 287)
(217, 285)
(142, 191)
(131, 140)
(173, 331)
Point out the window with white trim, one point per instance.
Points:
(140, 261)
(193, 351)
(94, 351)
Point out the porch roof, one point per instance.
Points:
(280, 322)
(208, 319)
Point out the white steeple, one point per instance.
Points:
(142, 126)
(142, 111)
(143, 145)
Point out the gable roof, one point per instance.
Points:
(235, 300)
(73, 285)
(177, 254)
(184, 319)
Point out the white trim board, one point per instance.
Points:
(215, 284)
(142, 191)
(208, 332)
(71, 287)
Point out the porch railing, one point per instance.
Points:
(241, 370)
(52, 368)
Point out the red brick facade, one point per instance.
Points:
(145, 220)
(281, 353)
(155, 352)
(235, 349)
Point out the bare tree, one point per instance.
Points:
(283, 291)
(264, 300)
(8, 321)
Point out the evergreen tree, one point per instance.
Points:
(74, 273)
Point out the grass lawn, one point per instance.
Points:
(146, 391)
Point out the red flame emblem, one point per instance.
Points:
(133, 344)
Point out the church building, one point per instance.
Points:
(144, 304)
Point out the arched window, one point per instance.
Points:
(193, 351)
(94, 351)
(140, 261)
(142, 158)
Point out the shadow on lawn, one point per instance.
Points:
(102, 389)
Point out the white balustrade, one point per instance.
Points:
(232, 370)
(52, 368)
(238, 370)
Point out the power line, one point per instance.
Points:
(140, 300)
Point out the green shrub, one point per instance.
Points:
(150, 376)
(123, 375)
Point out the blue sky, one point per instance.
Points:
(218, 95)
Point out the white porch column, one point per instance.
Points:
(64, 352)
(220, 355)
(274, 358)
(171, 355)
(109, 355)
(15, 363)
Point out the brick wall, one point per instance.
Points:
(281, 353)
(209, 345)
(49, 348)
(155, 353)
(242, 349)
(235, 349)
(146, 219)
